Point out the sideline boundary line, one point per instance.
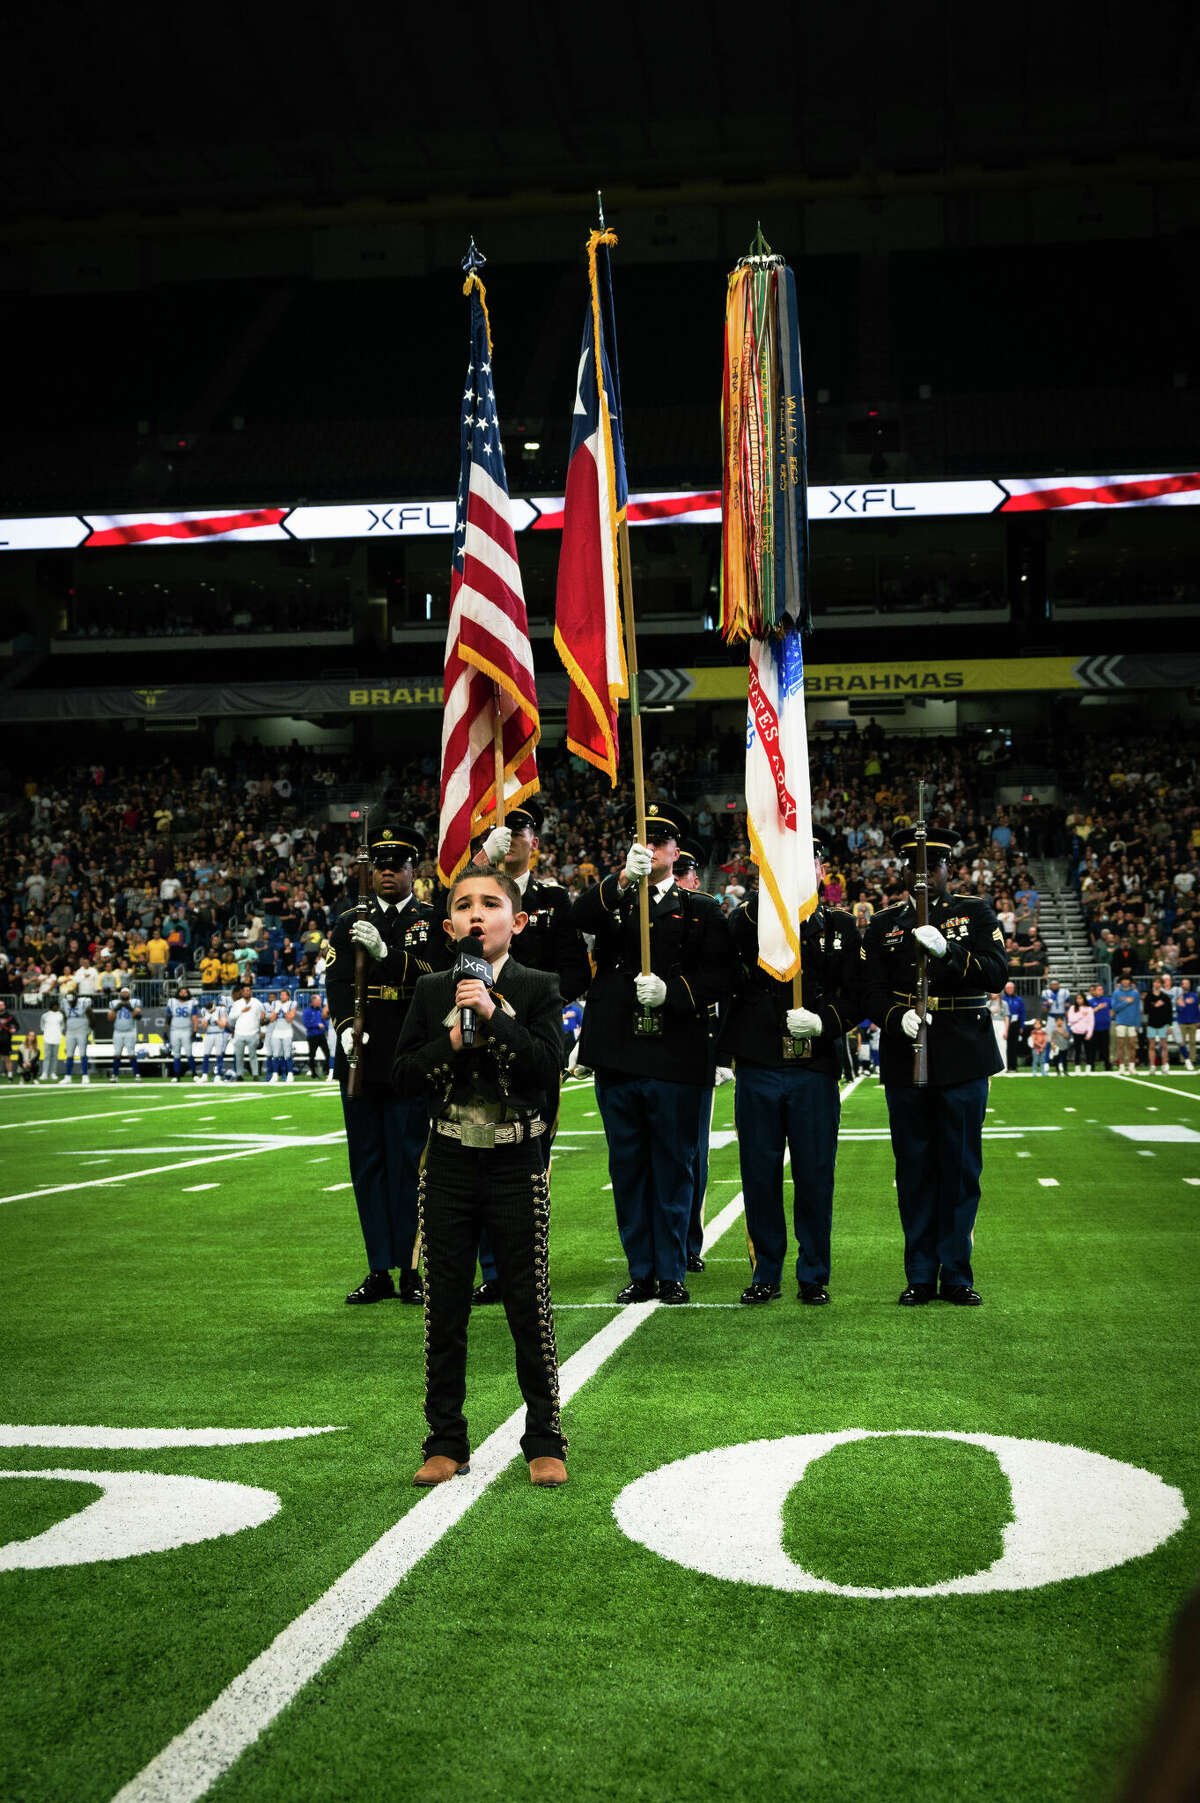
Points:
(1162, 1089)
(191, 1763)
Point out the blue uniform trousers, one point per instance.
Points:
(385, 1137)
(653, 1128)
(799, 1109)
(937, 1141)
(695, 1233)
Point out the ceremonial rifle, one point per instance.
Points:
(358, 1027)
(920, 888)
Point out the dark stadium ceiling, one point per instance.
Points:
(266, 111)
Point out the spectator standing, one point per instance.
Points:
(8, 1026)
(1187, 1015)
(1160, 1015)
(1101, 1008)
(1014, 1039)
(52, 1035)
(315, 1021)
(1127, 1019)
(1081, 1022)
(1060, 1043)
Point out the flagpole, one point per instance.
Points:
(635, 722)
(635, 709)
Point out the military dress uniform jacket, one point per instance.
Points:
(551, 940)
(415, 945)
(755, 1025)
(962, 1045)
(690, 949)
(515, 1066)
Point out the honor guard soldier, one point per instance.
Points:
(937, 1130)
(385, 1133)
(786, 1062)
(646, 1038)
(483, 1042)
(550, 940)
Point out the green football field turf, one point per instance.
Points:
(175, 1258)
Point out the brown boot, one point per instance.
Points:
(438, 1469)
(547, 1473)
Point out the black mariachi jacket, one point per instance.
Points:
(690, 949)
(516, 1061)
(416, 946)
(755, 1027)
(961, 1043)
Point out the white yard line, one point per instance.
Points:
(158, 1170)
(102, 1114)
(196, 1758)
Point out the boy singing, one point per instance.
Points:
(488, 1057)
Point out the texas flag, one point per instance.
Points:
(587, 632)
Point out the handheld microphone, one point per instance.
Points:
(468, 965)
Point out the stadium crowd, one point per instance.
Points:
(232, 870)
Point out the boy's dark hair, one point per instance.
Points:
(500, 877)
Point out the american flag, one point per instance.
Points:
(489, 662)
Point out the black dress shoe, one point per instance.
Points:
(695, 1262)
(640, 1289)
(760, 1292)
(916, 1294)
(411, 1288)
(376, 1286)
(962, 1293)
(815, 1293)
(670, 1293)
(486, 1292)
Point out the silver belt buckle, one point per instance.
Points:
(479, 1134)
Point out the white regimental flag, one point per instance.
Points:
(778, 801)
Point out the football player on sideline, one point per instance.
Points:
(280, 1053)
(181, 1016)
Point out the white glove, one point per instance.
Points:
(932, 940)
(802, 1023)
(348, 1040)
(370, 938)
(637, 864)
(651, 991)
(497, 843)
(721, 1075)
(911, 1022)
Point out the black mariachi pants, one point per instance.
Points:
(505, 1191)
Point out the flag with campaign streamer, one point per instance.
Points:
(489, 661)
(778, 800)
(588, 635)
(764, 513)
(764, 587)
